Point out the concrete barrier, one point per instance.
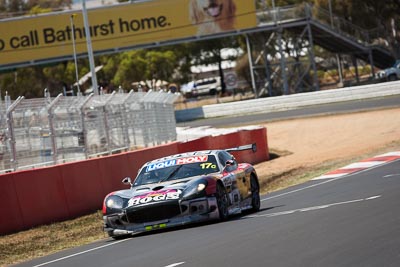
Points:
(46, 195)
(287, 102)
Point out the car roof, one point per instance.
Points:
(187, 154)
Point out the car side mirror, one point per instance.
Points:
(229, 165)
(127, 181)
(230, 162)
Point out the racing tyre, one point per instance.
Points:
(255, 194)
(222, 202)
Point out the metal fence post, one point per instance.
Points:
(10, 123)
(125, 120)
(105, 118)
(51, 126)
(82, 108)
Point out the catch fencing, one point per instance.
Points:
(48, 131)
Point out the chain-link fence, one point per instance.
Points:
(47, 131)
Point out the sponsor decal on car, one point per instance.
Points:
(161, 195)
(173, 162)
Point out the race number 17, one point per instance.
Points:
(207, 165)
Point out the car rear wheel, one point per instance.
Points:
(255, 194)
(222, 202)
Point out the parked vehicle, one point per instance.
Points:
(390, 74)
(209, 86)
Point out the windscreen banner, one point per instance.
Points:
(49, 37)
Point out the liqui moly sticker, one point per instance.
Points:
(174, 162)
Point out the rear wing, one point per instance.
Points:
(253, 147)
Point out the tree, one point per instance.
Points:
(371, 15)
(160, 65)
(209, 52)
(48, 3)
(131, 67)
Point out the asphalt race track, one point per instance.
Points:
(349, 221)
(317, 110)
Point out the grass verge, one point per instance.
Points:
(48, 239)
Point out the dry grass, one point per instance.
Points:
(48, 239)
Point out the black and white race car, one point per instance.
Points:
(181, 189)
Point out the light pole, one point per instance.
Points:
(75, 60)
(89, 48)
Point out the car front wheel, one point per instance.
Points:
(222, 202)
(255, 194)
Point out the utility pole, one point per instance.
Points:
(75, 59)
(89, 48)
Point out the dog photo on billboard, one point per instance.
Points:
(212, 16)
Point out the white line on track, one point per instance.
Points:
(80, 253)
(313, 208)
(175, 264)
(391, 175)
(93, 249)
(328, 181)
(300, 189)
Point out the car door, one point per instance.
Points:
(235, 180)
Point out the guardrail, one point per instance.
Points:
(47, 131)
(287, 102)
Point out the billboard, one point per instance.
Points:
(49, 36)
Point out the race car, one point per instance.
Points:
(181, 189)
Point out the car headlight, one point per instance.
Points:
(195, 189)
(114, 202)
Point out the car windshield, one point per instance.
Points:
(178, 168)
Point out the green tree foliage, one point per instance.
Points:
(52, 4)
(20, 6)
(381, 17)
(160, 64)
(131, 67)
(37, 10)
(209, 52)
(3, 6)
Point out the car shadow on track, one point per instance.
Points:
(232, 218)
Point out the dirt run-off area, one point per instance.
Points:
(301, 145)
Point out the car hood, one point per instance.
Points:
(157, 192)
